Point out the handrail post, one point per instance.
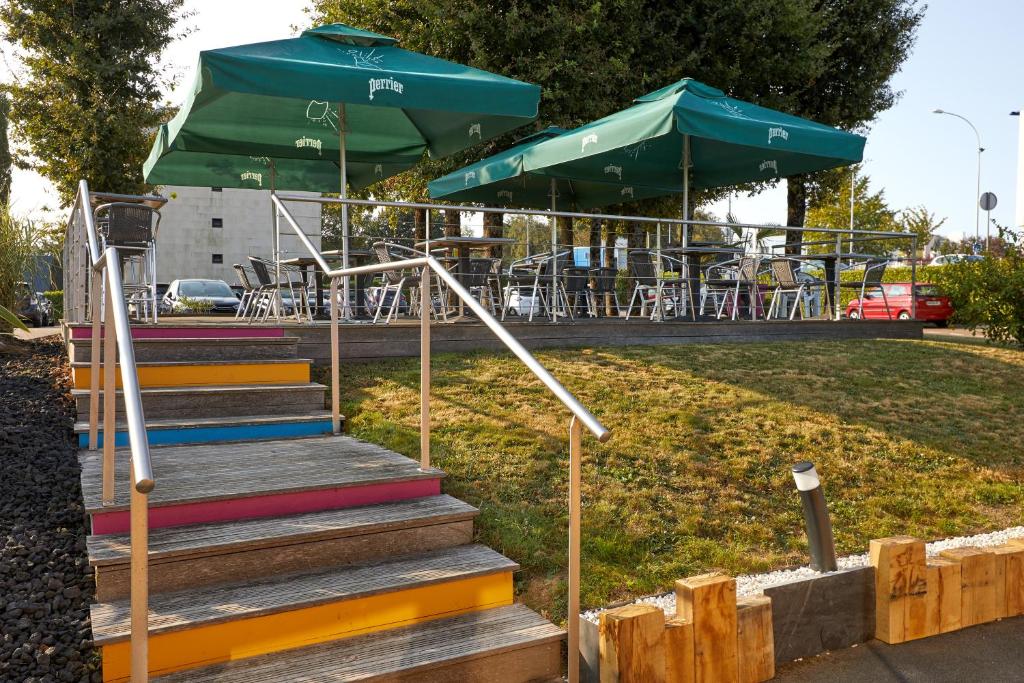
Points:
(575, 452)
(96, 302)
(335, 361)
(425, 309)
(913, 277)
(109, 392)
(139, 584)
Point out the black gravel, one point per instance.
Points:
(45, 581)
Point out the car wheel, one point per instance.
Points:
(904, 315)
(854, 315)
(941, 323)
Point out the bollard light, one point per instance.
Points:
(819, 527)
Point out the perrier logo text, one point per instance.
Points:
(385, 84)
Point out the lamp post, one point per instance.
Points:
(977, 194)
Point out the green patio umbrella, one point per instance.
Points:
(690, 135)
(281, 114)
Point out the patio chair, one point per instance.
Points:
(576, 280)
(557, 301)
(131, 229)
(478, 282)
(786, 283)
(248, 290)
(523, 276)
(871, 281)
(436, 299)
(269, 295)
(603, 284)
(647, 280)
(732, 278)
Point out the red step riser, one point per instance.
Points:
(118, 522)
(203, 332)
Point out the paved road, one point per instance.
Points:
(991, 652)
(36, 332)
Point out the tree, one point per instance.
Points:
(868, 42)
(921, 222)
(88, 104)
(5, 152)
(871, 212)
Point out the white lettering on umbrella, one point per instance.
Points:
(769, 164)
(778, 132)
(250, 175)
(378, 171)
(475, 130)
(322, 114)
(315, 143)
(617, 170)
(731, 109)
(505, 194)
(471, 175)
(588, 140)
(627, 192)
(386, 84)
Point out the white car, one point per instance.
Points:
(216, 293)
(948, 259)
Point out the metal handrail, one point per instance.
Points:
(118, 349)
(588, 419)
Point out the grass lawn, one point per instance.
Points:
(920, 438)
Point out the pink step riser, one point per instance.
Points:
(274, 505)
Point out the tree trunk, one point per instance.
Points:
(452, 223)
(610, 237)
(565, 233)
(796, 212)
(494, 226)
(419, 222)
(636, 236)
(595, 242)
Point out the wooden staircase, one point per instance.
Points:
(315, 559)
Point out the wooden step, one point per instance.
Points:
(216, 327)
(188, 557)
(197, 349)
(224, 401)
(211, 625)
(163, 432)
(199, 484)
(501, 645)
(204, 373)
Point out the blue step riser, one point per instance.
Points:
(164, 437)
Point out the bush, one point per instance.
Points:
(56, 299)
(989, 294)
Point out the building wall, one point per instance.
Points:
(187, 240)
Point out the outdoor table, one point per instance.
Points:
(693, 253)
(462, 246)
(305, 263)
(831, 260)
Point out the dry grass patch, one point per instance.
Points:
(918, 438)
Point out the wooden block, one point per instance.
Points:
(944, 606)
(977, 584)
(901, 588)
(708, 602)
(679, 667)
(1010, 578)
(632, 645)
(755, 642)
(828, 612)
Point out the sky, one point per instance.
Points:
(967, 60)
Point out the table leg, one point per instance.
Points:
(831, 285)
(318, 290)
(463, 274)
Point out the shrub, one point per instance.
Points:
(195, 306)
(56, 299)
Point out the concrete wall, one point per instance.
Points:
(187, 241)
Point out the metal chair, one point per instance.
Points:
(647, 279)
(131, 229)
(478, 282)
(602, 285)
(437, 298)
(732, 278)
(268, 296)
(874, 271)
(786, 283)
(577, 287)
(523, 275)
(248, 290)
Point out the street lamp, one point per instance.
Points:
(977, 195)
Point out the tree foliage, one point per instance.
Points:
(88, 102)
(6, 161)
(921, 222)
(871, 212)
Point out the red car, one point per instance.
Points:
(931, 305)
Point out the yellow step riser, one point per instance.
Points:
(204, 375)
(233, 640)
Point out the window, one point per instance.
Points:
(216, 189)
(217, 222)
(196, 288)
(218, 258)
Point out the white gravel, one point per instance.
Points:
(754, 584)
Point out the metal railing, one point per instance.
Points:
(580, 415)
(111, 328)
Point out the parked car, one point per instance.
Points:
(948, 259)
(932, 306)
(216, 293)
(32, 307)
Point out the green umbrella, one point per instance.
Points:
(336, 97)
(690, 135)
(501, 180)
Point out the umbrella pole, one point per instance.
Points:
(685, 236)
(276, 227)
(553, 299)
(345, 307)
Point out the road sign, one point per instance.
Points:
(988, 201)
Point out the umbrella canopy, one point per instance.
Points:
(299, 101)
(502, 180)
(730, 142)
